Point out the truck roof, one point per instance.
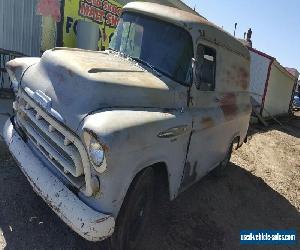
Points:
(192, 23)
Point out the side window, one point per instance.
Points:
(205, 70)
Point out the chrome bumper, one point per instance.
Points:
(88, 223)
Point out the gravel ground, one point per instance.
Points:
(260, 189)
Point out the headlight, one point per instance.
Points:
(96, 152)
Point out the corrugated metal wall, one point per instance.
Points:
(20, 27)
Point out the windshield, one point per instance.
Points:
(164, 46)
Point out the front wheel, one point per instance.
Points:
(135, 212)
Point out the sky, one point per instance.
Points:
(275, 24)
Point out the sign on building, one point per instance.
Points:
(105, 13)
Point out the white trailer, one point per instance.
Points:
(271, 85)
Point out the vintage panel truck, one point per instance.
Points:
(96, 133)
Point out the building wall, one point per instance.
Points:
(258, 75)
(72, 14)
(279, 91)
(20, 27)
(75, 10)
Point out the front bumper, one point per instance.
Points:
(88, 223)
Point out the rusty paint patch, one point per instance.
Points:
(104, 146)
(243, 78)
(229, 106)
(207, 122)
(238, 76)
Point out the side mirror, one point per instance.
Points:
(195, 66)
(194, 63)
(190, 74)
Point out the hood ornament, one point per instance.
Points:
(45, 102)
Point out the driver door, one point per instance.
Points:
(204, 152)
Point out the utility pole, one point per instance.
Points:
(235, 26)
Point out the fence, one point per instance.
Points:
(5, 84)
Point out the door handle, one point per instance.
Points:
(173, 132)
(217, 99)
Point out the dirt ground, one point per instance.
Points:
(260, 189)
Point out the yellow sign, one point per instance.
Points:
(106, 13)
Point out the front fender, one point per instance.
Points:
(17, 67)
(131, 141)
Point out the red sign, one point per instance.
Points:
(99, 11)
(49, 8)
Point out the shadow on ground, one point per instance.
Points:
(208, 215)
(211, 214)
(288, 124)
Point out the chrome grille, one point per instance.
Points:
(61, 147)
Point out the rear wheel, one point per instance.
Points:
(135, 212)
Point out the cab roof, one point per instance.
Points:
(191, 22)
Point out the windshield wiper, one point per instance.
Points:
(139, 60)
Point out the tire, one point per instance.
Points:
(135, 212)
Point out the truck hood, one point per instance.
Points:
(80, 82)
